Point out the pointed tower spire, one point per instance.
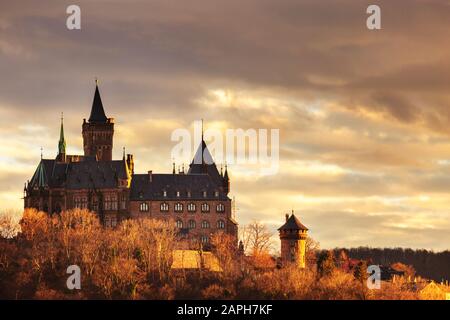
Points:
(123, 153)
(226, 180)
(97, 111)
(62, 140)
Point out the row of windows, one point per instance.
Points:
(188, 194)
(110, 202)
(178, 207)
(191, 224)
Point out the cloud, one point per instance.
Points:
(363, 116)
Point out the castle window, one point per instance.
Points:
(205, 194)
(204, 239)
(188, 194)
(220, 224)
(205, 224)
(77, 202)
(191, 207)
(94, 203)
(178, 207)
(164, 193)
(220, 207)
(107, 202)
(114, 202)
(110, 221)
(191, 224)
(83, 203)
(143, 207)
(178, 194)
(205, 207)
(123, 202)
(164, 207)
(179, 224)
(216, 194)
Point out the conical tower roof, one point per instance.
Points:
(97, 111)
(293, 223)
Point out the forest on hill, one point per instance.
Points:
(427, 264)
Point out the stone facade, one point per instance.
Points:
(293, 236)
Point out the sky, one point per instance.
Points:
(363, 115)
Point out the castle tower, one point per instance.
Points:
(98, 131)
(293, 242)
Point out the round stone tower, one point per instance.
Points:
(293, 242)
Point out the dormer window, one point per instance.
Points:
(164, 193)
(188, 194)
(178, 194)
(216, 194)
(204, 194)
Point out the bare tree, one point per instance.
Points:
(256, 238)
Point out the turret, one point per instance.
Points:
(293, 236)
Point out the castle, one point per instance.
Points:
(197, 201)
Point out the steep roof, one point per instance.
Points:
(97, 111)
(293, 223)
(144, 189)
(204, 163)
(39, 178)
(88, 174)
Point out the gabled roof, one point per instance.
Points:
(293, 223)
(97, 111)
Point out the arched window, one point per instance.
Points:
(220, 224)
(220, 207)
(205, 207)
(205, 224)
(179, 224)
(143, 207)
(191, 207)
(191, 224)
(164, 207)
(204, 239)
(178, 207)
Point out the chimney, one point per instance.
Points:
(287, 217)
(150, 176)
